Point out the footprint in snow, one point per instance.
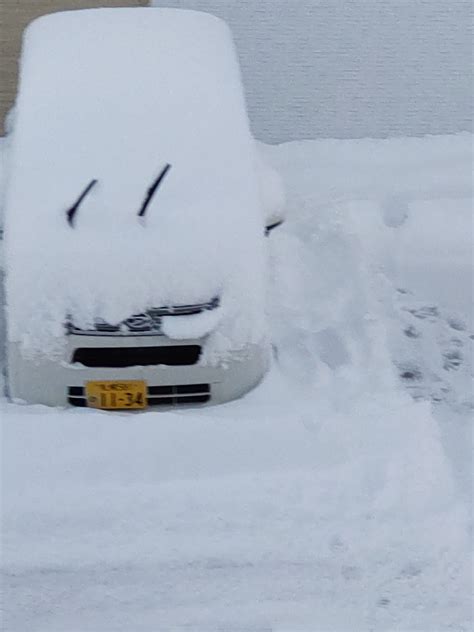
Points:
(429, 351)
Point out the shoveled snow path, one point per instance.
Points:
(222, 521)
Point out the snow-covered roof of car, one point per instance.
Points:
(115, 95)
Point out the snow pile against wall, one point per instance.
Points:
(351, 68)
(91, 108)
(375, 261)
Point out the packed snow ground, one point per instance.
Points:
(335, 496)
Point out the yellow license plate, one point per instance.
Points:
(116, 395)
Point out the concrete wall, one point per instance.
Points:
(351, 68)
(14, 16)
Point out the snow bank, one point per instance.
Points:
(426, 168)
(421, 186)
(90, 107)
(374, 265)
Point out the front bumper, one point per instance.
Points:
(59, 382)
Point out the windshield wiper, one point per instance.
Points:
(152, 190)
(71, 213)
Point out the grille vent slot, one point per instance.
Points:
(120, 357)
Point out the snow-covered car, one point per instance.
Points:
(136, 210)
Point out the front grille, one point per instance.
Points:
(120, 357)
(147, 323)
(173, 395)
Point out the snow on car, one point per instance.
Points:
(135, 214)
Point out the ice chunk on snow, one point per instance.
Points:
(91, 108)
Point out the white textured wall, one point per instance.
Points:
(351, 68)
